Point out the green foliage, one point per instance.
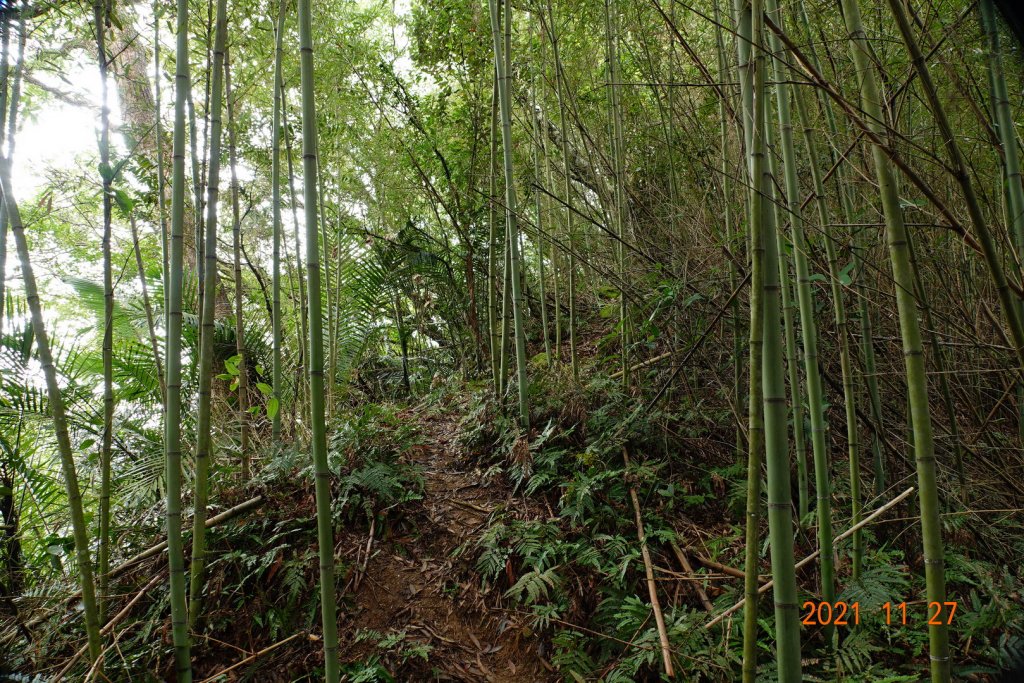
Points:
(394, 650)
(370, 448)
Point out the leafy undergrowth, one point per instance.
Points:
(468, 550)
(407, 609)
(577, 568)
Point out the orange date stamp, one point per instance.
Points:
(814, 613)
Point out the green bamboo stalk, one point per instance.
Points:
(161, 182)
(867, 335)
(506, 305)
(842, 326)
(236, 241)
(5, 72)
(1009, 303)
(554, 256)
(569, 231)
(106, 174)
(277, 375)
(939, 358)
(172, 410)
(505, 106)
(731, 239)
(204, 437)
(197, 191)
(80, 532)
(331, 365)
(780, 516)
(815, 394)
(302, 329)
(755, 415)
(1006, 130)
(870, 371)
(150, 323)
(620, 214)
(549, 185)
(492, 245)
(318, 420)
(789, 333)
(910, 330)
(538, 152)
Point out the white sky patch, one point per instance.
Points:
(59, 133)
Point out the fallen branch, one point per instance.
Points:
(666, 652)
(810, 558)
(225, 516)
(641, 366)
(253, 657)
(108, 627)
(724, 568)
(681, 556)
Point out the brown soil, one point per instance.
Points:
(414, 584)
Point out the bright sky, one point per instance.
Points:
(58, 133)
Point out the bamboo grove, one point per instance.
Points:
(782, 238)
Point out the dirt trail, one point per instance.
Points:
(413, 584)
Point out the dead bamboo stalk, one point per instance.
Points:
(252, 657)
(642, 365)
(659, 618)
(810, 558)
(225, 516)
(683, 560)
(724, 568)
(109, 626)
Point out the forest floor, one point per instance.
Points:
(415, 585)
(409, 601)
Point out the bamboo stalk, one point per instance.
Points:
(810, 558)
(204, 435)
(277, 376)
(501, 54)
(318, 419)
(910, 331)
(172, 411)
(652, 588)
(150, 324)
(80, 533)
(253, 657)
(100, 19)
(685, 562)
